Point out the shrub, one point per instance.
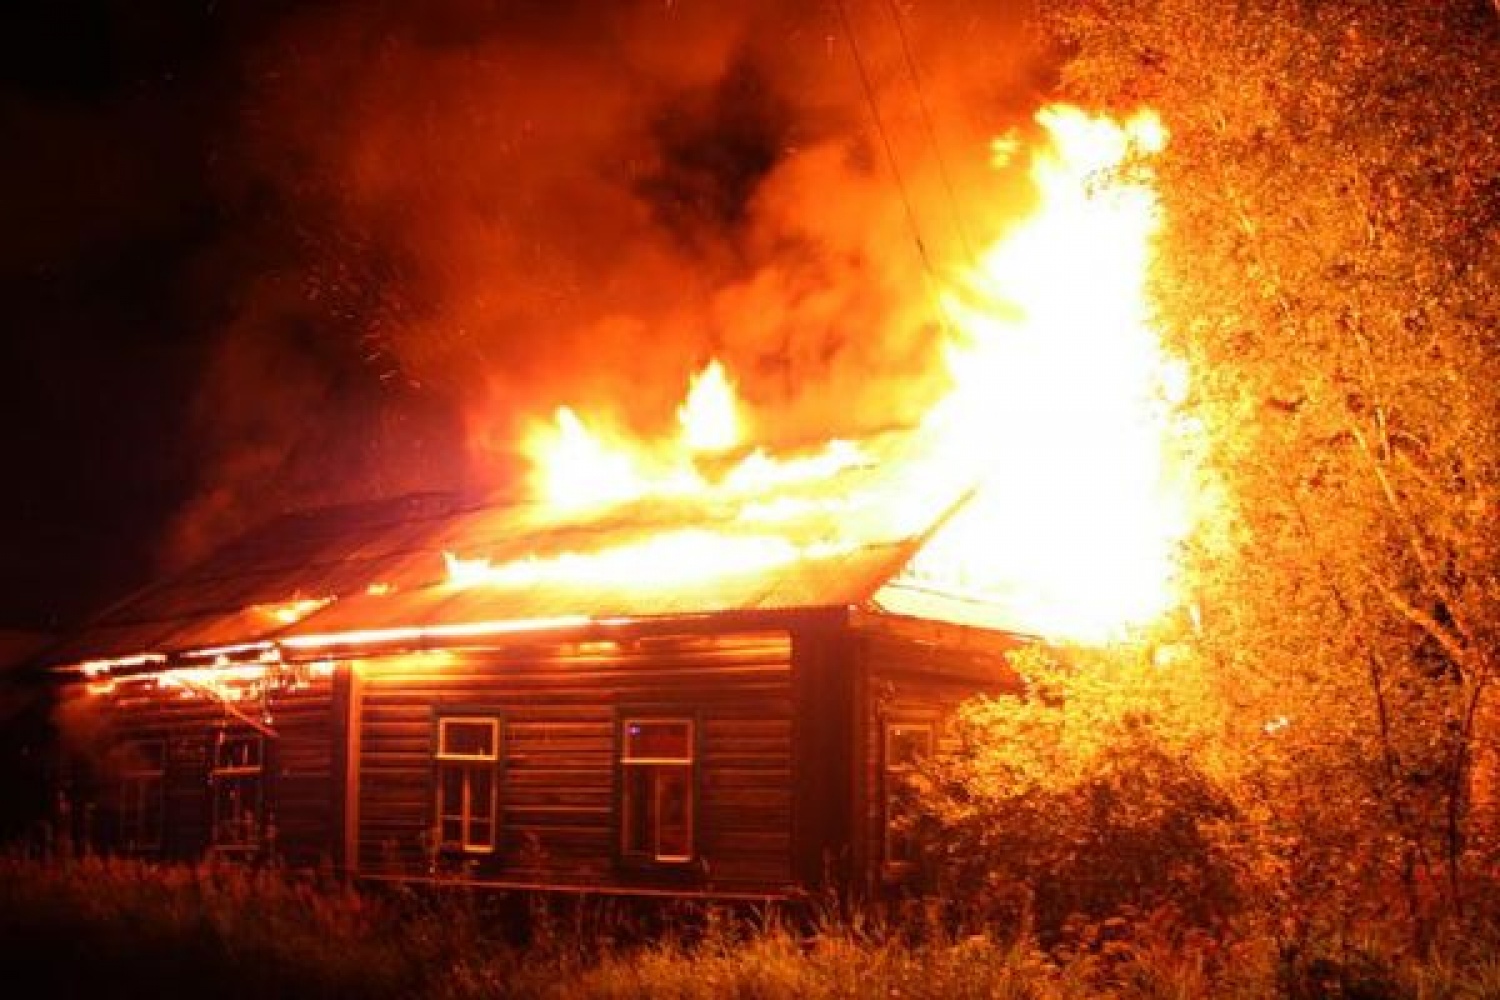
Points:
(1061, 810)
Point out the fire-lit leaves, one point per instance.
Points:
(1329, 267)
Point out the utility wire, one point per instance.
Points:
(929, 271)
(932, 137)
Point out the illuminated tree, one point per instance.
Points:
(1330, 267)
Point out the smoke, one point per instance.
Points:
(459, 215)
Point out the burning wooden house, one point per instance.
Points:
(691, 667)
(663, 696)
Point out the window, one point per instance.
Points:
(468, 756)
(236, 778)
(140, 768)
(905, 744)
(656, 794)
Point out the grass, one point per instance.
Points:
(120, 928)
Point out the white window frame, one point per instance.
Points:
(893, 774)
(659, 766)
(250, 775)
(467, 765)
(141, 780)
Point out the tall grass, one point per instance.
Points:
(118, 928)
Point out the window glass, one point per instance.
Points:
(237, 752)
(140, 793)
(237, 790)
(658, 739)
(905, 744)
(467, 755)
(656, 789)
(467, 738)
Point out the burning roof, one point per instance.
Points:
(1045, 492)
(427, 566)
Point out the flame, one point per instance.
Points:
(1065, 400)
(1060, 431)
(710, 415)
(1060, 423)
(577, 469)
(671, 559)
(293, 611)
(466, 572)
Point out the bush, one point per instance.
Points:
(1057, 811)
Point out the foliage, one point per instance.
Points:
(1330, 268)
(125, 928)
(1080, 803)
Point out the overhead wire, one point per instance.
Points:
(932, 136)
(929, 270)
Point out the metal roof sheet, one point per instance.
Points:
(381, 566)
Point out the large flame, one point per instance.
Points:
(1058, 454)
(1060, 422)
(1064, 398)
(710, 415)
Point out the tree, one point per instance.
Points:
(1330, 268)
(1088, 797)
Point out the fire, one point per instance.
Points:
(293, 611)
(576, 468)
(1064, 398)
(710, 415)
(579, 469)
(1060, 425)
(674, 559)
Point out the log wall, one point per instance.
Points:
(560, 704)
(297, 777)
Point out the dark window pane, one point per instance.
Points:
(238, 752)
(236, 810)
(658, 740)
(481, 790)
(674, 812)
(468, 738)
(906, 744)
(452, 796)
(481, 834)
(151, 816)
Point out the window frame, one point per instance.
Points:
(134, 787)
(218, 772)
(624, 812)
(892, 776)
(467, 765)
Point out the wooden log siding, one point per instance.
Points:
(297, 781)
(907, 680)
(560, 705)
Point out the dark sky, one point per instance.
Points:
(111, 112)
(259, 255)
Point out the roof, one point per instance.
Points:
(829, 541)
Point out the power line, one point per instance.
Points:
(932, 137)
(911, 217)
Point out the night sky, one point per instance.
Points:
(112, 119)
(260, 255)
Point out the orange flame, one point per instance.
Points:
(1061, 419)
(1064, 398)
(293, 611)
(710, 415)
